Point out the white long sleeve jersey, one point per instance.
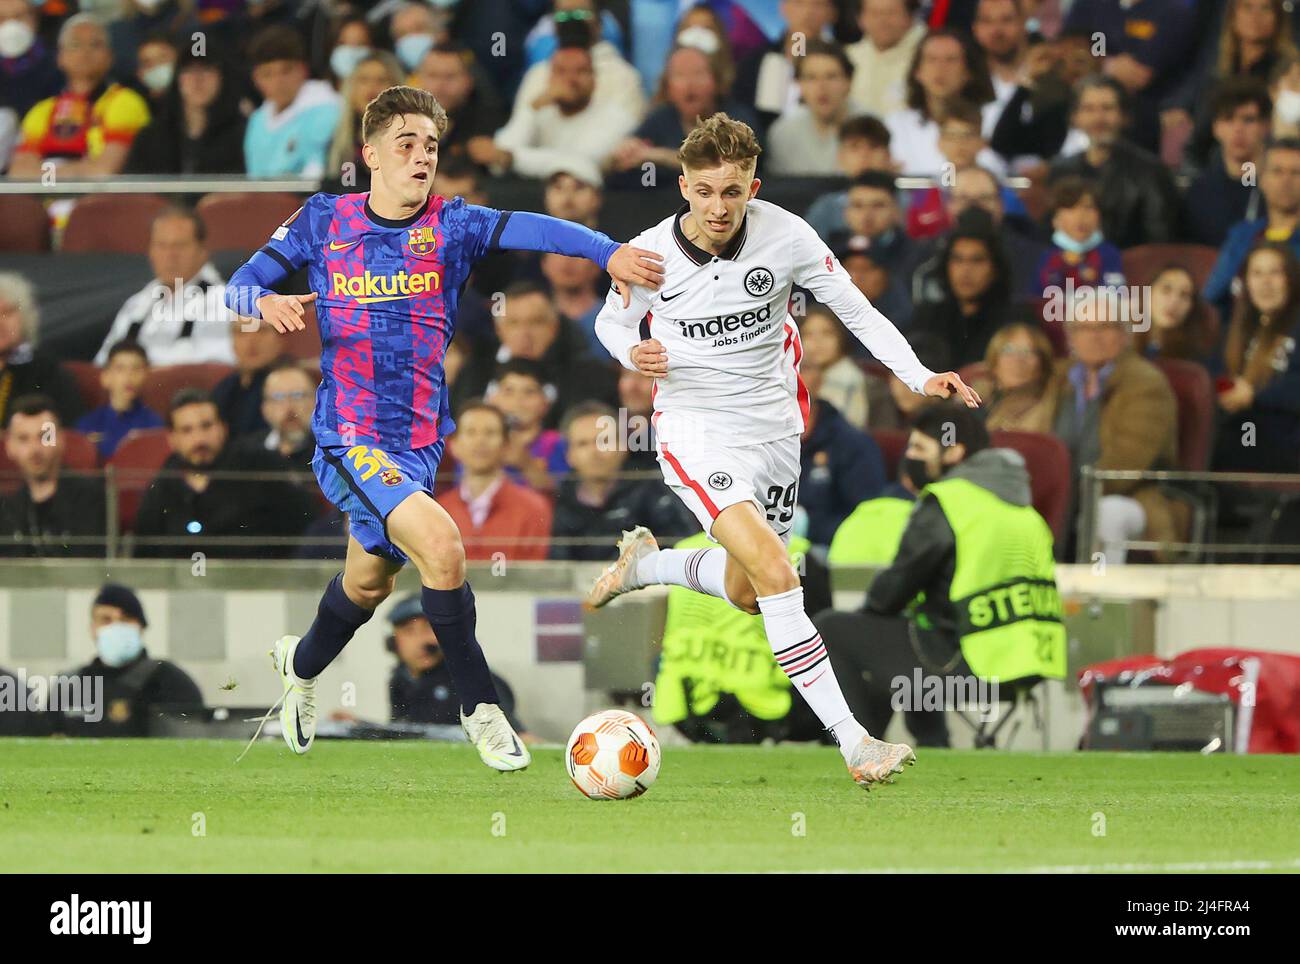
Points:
(733, 346)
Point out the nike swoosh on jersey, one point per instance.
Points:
(664, 297)
(340, 246)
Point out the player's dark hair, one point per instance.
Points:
(865, 127)
(953, 424)
(277, 42)
(33, 404)
(816, 47)
(181, 212)
(126, 346)
(720, 140)
(397, 101)
(187, 397)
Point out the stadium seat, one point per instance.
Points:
(244, 221)
(892, 442)
(79, 452)
(134, 464)
(24, 225)
(165, 382)
(1050, 470)
(1143, 262)
(973, 371)
(116, 223)
(1195, 396)
(86, 375)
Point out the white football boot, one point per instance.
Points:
(492, 735)
(298, 706)
(875, 761)
(619, 577)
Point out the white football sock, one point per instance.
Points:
(802, 656)
(703, 570)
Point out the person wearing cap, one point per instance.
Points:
(137, 688)
(420, 689)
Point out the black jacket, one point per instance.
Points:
(1139, 203)
(628, 504)
(927, 553)
(839, 467)
(241, 406)
(133, 696)
(35, 529)
(431, 697)
(227, 507)
(36, 373)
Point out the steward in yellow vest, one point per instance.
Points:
(972, 590)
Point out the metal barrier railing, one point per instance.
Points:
(1197, 490)
(117, 542)
(149, 184)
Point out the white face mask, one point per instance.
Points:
(119, 643)
(157, 78)
(1287, 106)
(16, 38)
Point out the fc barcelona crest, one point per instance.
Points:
(421, 241)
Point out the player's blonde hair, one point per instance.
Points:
(720, 140)
(396, 101)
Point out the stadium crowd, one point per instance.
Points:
(1146, 151)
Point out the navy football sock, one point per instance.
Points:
(337, 619)
(452, 614)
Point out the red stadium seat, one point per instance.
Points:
(79, 452)
(117, 223)
(24, 225)
(86, 375)
(134, 464)
(973, 371)
(1141, 264)
(892, 442)
(165, 382)
(1050, 471)
(1195, 395)
(244, 221)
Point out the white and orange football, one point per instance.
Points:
(612, 755)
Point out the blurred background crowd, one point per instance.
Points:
(967, 161)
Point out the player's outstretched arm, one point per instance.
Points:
(249, 294)
(629, 266)
(818, 270)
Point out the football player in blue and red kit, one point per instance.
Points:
(385, 269)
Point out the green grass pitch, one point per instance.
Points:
(134, 806)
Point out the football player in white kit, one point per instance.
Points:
(730, 406)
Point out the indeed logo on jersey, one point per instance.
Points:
(749, 324)
(370, 287)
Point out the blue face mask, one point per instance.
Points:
(119, 643)
(1067, 243)
(344, 59)
(412, 48)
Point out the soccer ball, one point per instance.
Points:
(612, 755)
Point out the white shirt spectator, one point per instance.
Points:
(195, 330)
(914, 144)
(796, 146)
(541, 139)
(880, 76)
(617, 82)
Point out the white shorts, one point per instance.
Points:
(708, 478)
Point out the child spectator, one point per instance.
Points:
(533, 455)
(290, 133)
(842, 383)
(122, 377)
(1079, 253)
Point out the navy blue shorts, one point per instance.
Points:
(368, 483)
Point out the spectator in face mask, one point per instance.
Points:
(28, 73)
(155, 67)
(137, 689)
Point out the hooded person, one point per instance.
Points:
(990, 611)
(136, 688)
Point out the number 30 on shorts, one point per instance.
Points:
(369, 460)
(780, 503)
